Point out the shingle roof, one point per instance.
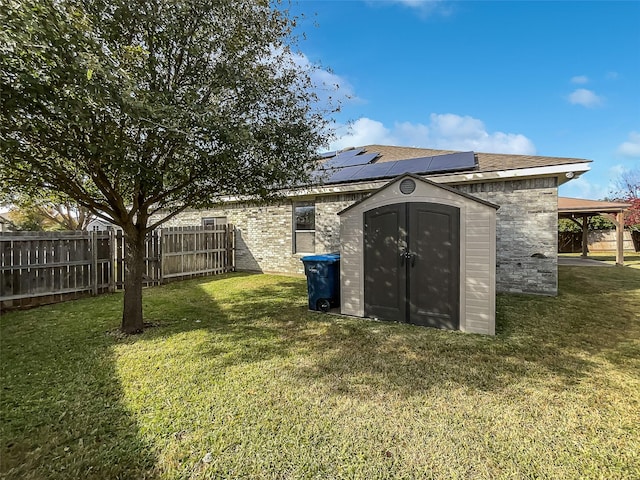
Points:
(487, 162)
(580, 205)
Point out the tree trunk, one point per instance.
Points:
(134, 269)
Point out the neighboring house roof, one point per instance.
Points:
(568, 206)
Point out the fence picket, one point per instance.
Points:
(48, 267)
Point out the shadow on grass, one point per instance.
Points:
(247, 325)
(545, 340)
(61, 407)
(541, 340)
(64, 410)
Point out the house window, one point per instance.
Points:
(214, 223)
(304, 224)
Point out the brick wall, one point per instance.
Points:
(526, 232)
(264, 234)
(328, 222)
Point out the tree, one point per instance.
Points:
(26, 220)
(596, 222)
(627, 189)
(53, 212)
(139, 109)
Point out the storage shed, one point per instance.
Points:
(419, 252)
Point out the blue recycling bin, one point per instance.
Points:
(323, 280)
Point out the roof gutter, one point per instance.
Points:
(564, 173)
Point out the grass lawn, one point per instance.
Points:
(238, 380)
(631, 259)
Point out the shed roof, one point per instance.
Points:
(423, 180)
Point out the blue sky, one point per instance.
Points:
(546, 77)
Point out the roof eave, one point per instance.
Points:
(563, 172)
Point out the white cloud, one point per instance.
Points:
(585, 97)
(582, 188)
(612, 75)
(603, 183)
(422, 7)
(617, 170)
(363, 131)
(630, 148)
(329, 87)
(580, 79)
(444, 131)
(417, 3)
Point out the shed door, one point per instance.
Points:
(412, 264)
(384, 270)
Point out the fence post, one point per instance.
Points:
(93, 237)
(160, 240)
(230, 240)
(112, 261)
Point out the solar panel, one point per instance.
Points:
(452, 161)
(343, 174)
(351, 153)
(327, 154)
(318, 176)
(373, 170)
(356, 167)
(412, 165)
(359, 159)
(341, 161)
(346, 159)
(334, 162)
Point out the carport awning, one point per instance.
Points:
(573, 208)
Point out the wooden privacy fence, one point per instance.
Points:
(599, 240)
(37, 268)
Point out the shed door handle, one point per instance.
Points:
(407, 255)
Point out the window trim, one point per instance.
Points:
(217, 221)
(294, 223)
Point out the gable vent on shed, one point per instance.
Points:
(407, 186)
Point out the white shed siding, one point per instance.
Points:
(477, 252)
(479, 305)
(351, 279)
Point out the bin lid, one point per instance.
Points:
(324, 258)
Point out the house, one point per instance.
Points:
(273, 238)
(5, 224)
(100, 225)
